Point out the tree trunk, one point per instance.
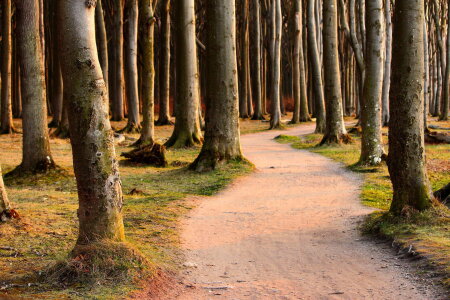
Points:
(102, 39)
(187, 131)
(276, 32)
(445, 100)
(244, 57)
(316, 69)
(96, 168)
(36, 146)
(256, 60)
(371, 141)
(6, 107)
(4, 201)
(116, 92)
(406, 159)
(387, 65)
(57, 89)
(335, 131)
(164, 100)
(222, 142)
(148, 72)
(131, 13)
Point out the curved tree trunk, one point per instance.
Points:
(164, 69)
(276, 32)
(36, 146)
(335, 131)
(387, 65)
(187, 131)
(222, 142)
(406, 159)
(371, 142)
(130, 64)
(96, 168)
(6, 107)
(316, 69)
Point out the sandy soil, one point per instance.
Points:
(288, 231)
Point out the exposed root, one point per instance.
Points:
(443, 195)
(41, 167)
(332, 139)
(131, 128)
(209, 161)
(8, 214)
(164, 122)
(184, 141)
(437, 138)
(54, 124)
(104, 262)
(9, 130)
(153, 154)
(62, 132)
(257, 117)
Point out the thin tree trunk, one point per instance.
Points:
(335, 131)
(187, 131)
(371, 141)
(36, 146)
(5, 205)
(406, 159)
(95, 164)
(164, 100)
(387, 65)
(131, 13)
(56, 92)
(102, 39)
(6, 99)
(445, 100)
(222, 141)
(116, 93)
(256, 60)
(243, 95)
(276, 32)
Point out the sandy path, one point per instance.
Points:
(288, 232)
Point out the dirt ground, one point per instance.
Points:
(289, 231)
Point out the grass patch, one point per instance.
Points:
(154, 201)
(428, 231)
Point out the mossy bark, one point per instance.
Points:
(222, 141)
(335, 131)
(371, 141)
(406, 160)
(95, 164)
(36, 146)
(187, 132)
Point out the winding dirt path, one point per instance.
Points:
(288, 232)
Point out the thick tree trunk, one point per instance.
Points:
(96, 168)
(316, 69)
(117, 84)
(131, 13)
(371, 141)
(148, 72)
(187, 131)
(164, 68)
(222, 142)
(36, 146)
(102, 39)
(335, 131)
(276, 32)
(6, 100)
(406, 159)
(387, 65)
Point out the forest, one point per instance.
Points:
(224, 149)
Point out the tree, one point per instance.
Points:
(187, 131)
(301, 113)
(102, 39)
(5, 206)
(276, 31)
(256, 61)
(116, 55)
(406, 160)
(387, 65)
(91, 136)
(164, 69)
(6, 109)
(445, 101)
(316, 69)
(335, 131)
(222, 142)
(371, 141)
(36, 146)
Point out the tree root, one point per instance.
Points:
(131, 128)
(435, 138)
(332, 139)
(153, 154)
(62, 132)
(164, 122)
(8, 214)
(41, 167)
(443, 195)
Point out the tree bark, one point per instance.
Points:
(371, 141)
(387, 65)
(164, 100)
(102, 40)
(96, 168)
(4, 201)
(6, 107)
(276, 32)
(36, 146)
(187, 131)
(116, 92)
(406, 160)
(131, 13)
(222, 141)
(316, 69)
(335, 131)
(256, 61)
(445, 100)
(244, 57)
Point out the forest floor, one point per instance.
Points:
(290, 231)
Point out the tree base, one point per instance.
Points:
(153, 154)
(184, 140)
(164, 122)
(8, 215)
(42, 167)
(62, 132)
(131, 128)
(54, 124)
(333, 139)
(258, 117)
(104, 262)
(443, 195)
(9, 130)
(208, 161)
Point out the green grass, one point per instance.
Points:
(428, 231)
